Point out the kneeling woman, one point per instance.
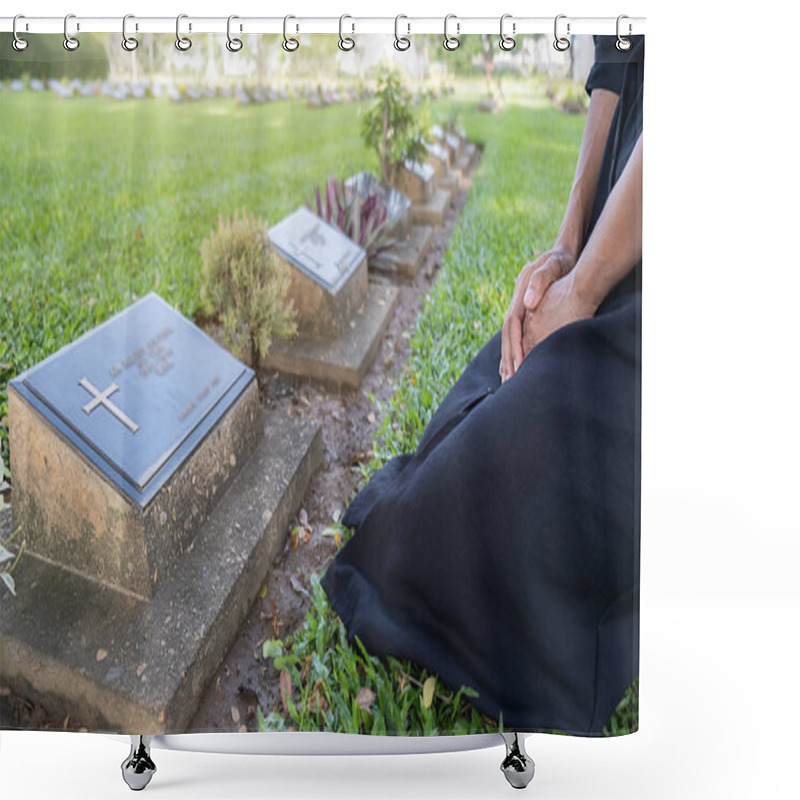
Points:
(503, 554)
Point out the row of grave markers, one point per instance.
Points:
(315, 96)
(341, 314)
(154, 491)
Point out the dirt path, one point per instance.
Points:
(349, 422)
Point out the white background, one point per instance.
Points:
(720, 605)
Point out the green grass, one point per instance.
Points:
(104, 201)
(513, 211)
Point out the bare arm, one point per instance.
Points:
(602, 105)
(535, 277)
(613, 249)
(616, 242)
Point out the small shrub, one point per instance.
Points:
(364, 219)
(246, 285)
(393, 128)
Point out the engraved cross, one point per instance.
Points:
(101, 399)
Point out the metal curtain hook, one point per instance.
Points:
(451, 42)
(182, 42)
(290, 44)
(18, 43)
(234, 45)
(622, 44)
(560, 43)
(401, 43)
(507, 42)
(346, 42)
(70, 42)
(129, 43)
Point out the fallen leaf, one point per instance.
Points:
(272, 648)
(243, 729)
(295, 536)
(285, 685)
(101, 654)
(297, 586)
(365, 698)
(316, 701)
(140, 669)
(303, 517)
(235, 714)
(263, 593)
(428, 688)
(371, 418)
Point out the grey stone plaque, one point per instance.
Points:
(323, 252)
(440, 155)
(398, 206)
(137, 394)
(423, 171)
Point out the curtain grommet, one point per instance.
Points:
(129, 43)
(561, 43)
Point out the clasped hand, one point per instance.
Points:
(545, 298)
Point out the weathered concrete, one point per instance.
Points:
(468, 159)
(432, 212)
(450, 182)
(439, 159)
(73, 515)
(406, 256)
(339, 362)
(415, 185)
(126, 665)
(320, 312)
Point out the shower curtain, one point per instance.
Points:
(320, 384)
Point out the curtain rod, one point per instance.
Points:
(514, 26)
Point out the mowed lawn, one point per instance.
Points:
(104, 201)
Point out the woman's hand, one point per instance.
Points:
(561, 305)
(533, 282)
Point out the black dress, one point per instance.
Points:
(504, 553)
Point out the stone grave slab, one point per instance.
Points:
(151, 515)
(432, 212)
(341, 316)
(410, 243)
(453, 145)
(468, 159)
(339, 362)
(406, 255)
(398, 206)
(122, 441)
(328, 275)
(439, 159)
(122, 664)
(416, 181)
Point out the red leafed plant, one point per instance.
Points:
(364, 218)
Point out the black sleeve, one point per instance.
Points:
(609, 65)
